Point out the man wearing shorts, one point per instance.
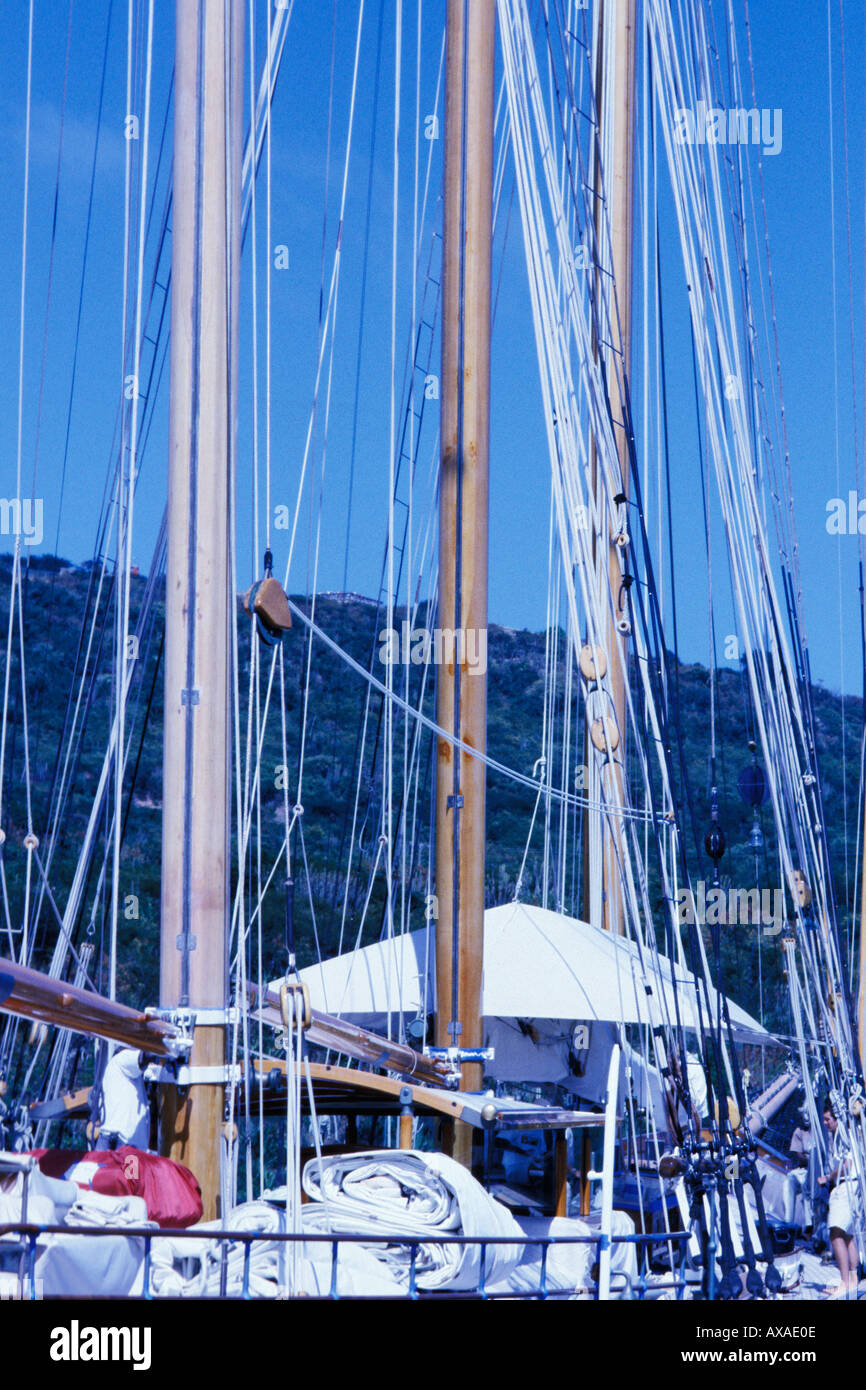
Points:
(839, 1215)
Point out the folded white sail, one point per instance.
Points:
(185, 1267)
(412, 1194)
(107, 1266)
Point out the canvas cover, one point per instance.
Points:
(170, 1192)
(538, 964)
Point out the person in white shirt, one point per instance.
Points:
(125, 1111)
(839, 1216)
(797, 1180)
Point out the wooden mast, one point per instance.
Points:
(463, 524)
(204, 306)
(617, 26)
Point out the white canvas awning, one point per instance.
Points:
(537, 964)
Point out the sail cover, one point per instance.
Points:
(537, 965)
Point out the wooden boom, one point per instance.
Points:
(33, 995)
(354, 1041)
(30, 994)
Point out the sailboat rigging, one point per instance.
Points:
(542, 1069)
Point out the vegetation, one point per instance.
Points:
(58, 602)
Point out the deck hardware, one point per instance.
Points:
(295, 1008)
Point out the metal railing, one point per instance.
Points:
(29, 1234)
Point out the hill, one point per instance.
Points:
(59, 599)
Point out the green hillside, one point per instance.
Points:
(57, 596)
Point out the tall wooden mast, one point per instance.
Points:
(616, 27)
(463, 521)
(204, 307)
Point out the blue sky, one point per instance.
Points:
(790, 51)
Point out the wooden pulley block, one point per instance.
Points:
(295, 1005)
(801, 889)
(621, 539)
(623, 626)
(592, 662)
(604, 734)
(270, 605)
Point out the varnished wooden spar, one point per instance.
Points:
(617, 27)
(326, 1031)
(461, 693)
(30, 994)
(208, 114)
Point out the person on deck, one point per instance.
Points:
(839, 1216)
(122, 1099)
(801, 1149)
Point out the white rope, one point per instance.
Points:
(388, 748)
(627, 813)
(15, 592)
(126, 510)
(696, 178)
(745, 528)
